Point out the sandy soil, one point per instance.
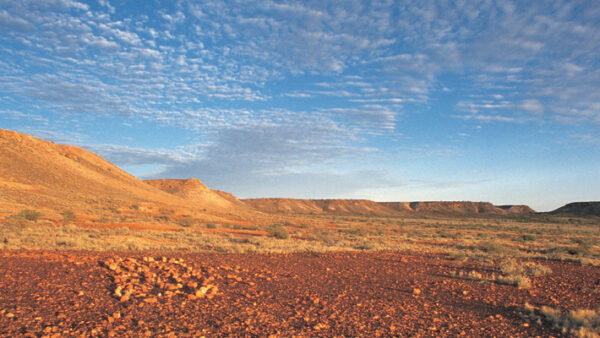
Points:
(350, 294)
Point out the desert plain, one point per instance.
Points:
(90, 250)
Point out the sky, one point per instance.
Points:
(493, 101)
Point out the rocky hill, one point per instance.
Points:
(579, 209)
(53, 178)
(366, 207)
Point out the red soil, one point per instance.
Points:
(353, 294)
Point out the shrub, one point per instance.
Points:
(492, 247)
(68, 216)
(579, 322)
(28, 214)
(353, 231)
(162, 218)
(186, 222)
(278, 232)
(515, 273)
(211, 225)
(527, 238)
(517, 280)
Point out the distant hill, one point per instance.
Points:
(450, 208)
(192, 190)
(324, 206)
(366, 207)
(517, 209)
(579, 209)
(38, 174)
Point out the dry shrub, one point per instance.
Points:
(278, 232)
(519, 281)
(515, 273)
(68, 216)
(28, 214)
(583, 323)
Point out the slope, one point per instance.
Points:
(579, 209)
(36, 174)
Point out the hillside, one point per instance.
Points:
(52, 178)
(317, 207)
(517, 209)
(579, 209)
(192, 190)
(452, 208)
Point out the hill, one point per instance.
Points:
(450, 208)
(517, 209)
(42, 175)
(192, 190)
(371, 208)
(579, 209)
(317, 207)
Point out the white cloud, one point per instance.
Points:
(102, 43)
(8, 21)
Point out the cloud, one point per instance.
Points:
(104, 44)
(8, 22)
(487, 118)
(125, 156)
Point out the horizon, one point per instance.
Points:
(473, 101)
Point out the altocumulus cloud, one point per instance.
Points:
(288, 91)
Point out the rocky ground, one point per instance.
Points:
(54, 293)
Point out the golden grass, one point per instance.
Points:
(490, 240)
(583, 323)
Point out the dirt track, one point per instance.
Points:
(351, 294)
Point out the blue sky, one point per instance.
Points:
(392, 101)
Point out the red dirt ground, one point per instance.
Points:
(334, 294)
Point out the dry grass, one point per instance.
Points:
(486, 240)
(583, 323)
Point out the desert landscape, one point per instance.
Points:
(285, 168)
(88, 249)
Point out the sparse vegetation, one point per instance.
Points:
(527, 238)
(27, 214)
(583, 323)
(278, 231)
(186, 222)
(68, 216)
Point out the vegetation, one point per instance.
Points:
(28, 214)
(68, 216)
(278, 232)
(493, 241)
(584, 323)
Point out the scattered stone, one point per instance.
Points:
(149, 279)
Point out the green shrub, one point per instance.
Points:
(211, 225)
